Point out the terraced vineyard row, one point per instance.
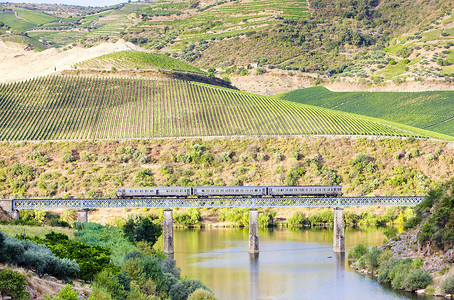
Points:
(136, 60)
(69, 107)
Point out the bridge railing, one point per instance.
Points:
(214, 202)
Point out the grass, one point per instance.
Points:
(16, 24)
(39, 231)
(426, 110)
(81, 108)
(136, 60)
(35, 17)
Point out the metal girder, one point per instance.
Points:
(215, 202)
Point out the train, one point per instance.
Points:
(229, 191)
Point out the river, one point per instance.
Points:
(292, 264)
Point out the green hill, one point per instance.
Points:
(426, 110)
(77, 107)
(136, 60)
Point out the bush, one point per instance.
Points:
(66, 293)
(13, 284)
(447, 286)
(417, 279)
(185, 287)
(38, 258)
(358, 251)
(67, 156)
(85, 156)
(201, 294)
(412, 222)
(297, 219)
(372, 258)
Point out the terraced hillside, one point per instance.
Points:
(77, 107)
(426, 110)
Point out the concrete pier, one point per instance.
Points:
(339, 234)
(7, 206)
(253, 231)
(15, 215)
(167, 232)
(82, 216)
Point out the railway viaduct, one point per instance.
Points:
(13, 206)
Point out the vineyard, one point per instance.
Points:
(431, 110)
(136, 60)
(88, 108)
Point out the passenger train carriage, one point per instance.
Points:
(205, 191)
(230, 191)
(307, 190)
(155, 191)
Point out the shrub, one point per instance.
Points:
(358, 251)
(447, 286)
(390, 232)
(385, 269)
(201, 294)
(38, 258)
(225, 157)
(185, 287)
(168, 265)
(37, 156)
(13, 284)
(67, 156)
(261, 156)
(412, 222)
(297, 219)
(85, 156)
(372, 258)
(417, 279)
(66, 293)
(430, 157)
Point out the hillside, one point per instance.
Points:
(378, 42)
(362, 166)
(79, 107)
(427, 110)
(127, 60)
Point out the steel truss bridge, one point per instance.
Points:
(214, 202)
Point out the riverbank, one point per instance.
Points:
(420, 259)
(403, 250)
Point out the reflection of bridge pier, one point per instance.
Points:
(254, 275)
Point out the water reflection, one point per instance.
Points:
(292, 264)
(254, 274)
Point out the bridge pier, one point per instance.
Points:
(253, 231)
(82, 216)
(339, 233)
(167, 233)
(8, 208)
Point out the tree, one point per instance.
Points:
(147, 231)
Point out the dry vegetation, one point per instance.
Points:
(361, 165)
